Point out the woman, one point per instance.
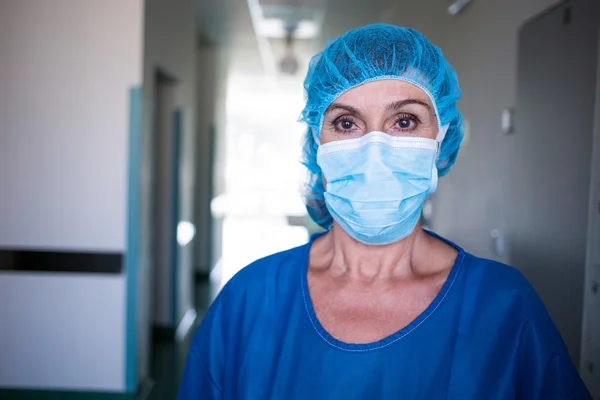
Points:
(376, 307)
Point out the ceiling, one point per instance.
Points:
(228, 23)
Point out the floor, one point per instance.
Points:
(168, 361)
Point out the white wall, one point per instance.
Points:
(66, 67)
(211, 82)
(62, 331)
(65, 70)
(169, 43)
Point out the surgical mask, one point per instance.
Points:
(377, 184)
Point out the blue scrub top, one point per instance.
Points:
(485, 336)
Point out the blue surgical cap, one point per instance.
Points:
(369, 53)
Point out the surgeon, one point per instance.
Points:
(376, 307)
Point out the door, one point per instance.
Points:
(166, 197)
(552, 156)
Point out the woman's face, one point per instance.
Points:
(395, 107)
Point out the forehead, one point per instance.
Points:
(381, 92)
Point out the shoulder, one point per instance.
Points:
(497, 295)
(255, 290)
(486, 278)
(501, 286)
(275, 267)
(265, 281)
(493, 272)
(506, 307)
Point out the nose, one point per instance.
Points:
(374, 163)
(376, 125)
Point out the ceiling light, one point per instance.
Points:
(276, 21)
(458, 6)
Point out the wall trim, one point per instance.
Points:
(133, 238)
(28, 394)
(38, 260)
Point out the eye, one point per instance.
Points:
(406, 122)
(344, 124)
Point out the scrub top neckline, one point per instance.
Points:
(362, 347)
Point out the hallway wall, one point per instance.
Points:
(481, 44)
(66, 69)
(478, 195)
(169, 44)
(212, 72)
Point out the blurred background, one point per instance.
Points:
(149, 150)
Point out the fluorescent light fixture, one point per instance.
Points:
(276, 29)
(276, 20)
(458, 6)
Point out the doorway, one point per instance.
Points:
(165, 203)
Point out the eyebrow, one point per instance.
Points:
(394, 106)
(399, 104)
(339, 106)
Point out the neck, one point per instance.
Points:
(353, 259)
